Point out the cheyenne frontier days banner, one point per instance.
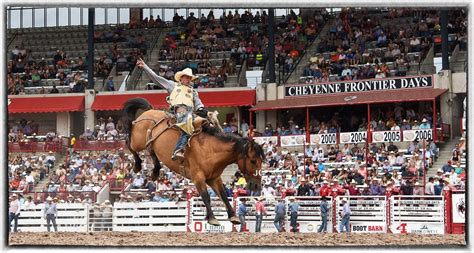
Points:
(359, 86)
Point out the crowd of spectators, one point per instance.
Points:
(364, 46)
(26, 170)
(105, 130)
(24, 70)
(236, 38)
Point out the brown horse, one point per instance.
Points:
(209, 152)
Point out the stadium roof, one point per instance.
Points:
(375, 97)
(158, 100)
(44, 104)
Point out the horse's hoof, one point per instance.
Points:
(214, 222)
(234, 220)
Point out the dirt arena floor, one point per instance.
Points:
(128, 239)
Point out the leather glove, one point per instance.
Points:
(202, 112)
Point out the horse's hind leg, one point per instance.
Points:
(157, 166)
(218, 187)
(202, 189)
(138, 162)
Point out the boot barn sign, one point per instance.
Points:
(359, 86)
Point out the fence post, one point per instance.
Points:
(448, 220)
(388, 195)
(334, 211)
(188, 199)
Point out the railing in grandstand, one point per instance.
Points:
(83, 145)
(118, 184)
(42, 196)
(32, 146)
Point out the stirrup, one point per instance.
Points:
(177, 155)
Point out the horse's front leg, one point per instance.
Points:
(202, 189)
(218, 187)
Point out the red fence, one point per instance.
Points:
(99, 145)
(45, 146)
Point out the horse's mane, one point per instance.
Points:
(241, 144)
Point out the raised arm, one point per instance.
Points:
(162, 82)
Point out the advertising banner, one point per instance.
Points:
(292, 140)
(266, 139)
(459, 208)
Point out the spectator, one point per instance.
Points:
(418, 190)
(324, 215)
(260, 211)
(50, 213)
(345, 216)
(280, 211)
(429, 187)
(110, 84)
(242, 212)
(293, 208)
(447, 167)
(14, 212)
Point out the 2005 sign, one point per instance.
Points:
(391, 136)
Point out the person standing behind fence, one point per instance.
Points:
(280, 212)
(293, 208)
(324, 215)
(260, 211)
(107, 215)
(345, 216)
(14, 212)
(242, 213)
(50, 213)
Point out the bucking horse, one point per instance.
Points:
(208, 152)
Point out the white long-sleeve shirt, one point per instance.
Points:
(14, 207)
(169, 85)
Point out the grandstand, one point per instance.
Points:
(349, 102)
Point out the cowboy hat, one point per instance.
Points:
(184, 72)
(49, 198)
(291, 198)
(344, 200)
(260, 198)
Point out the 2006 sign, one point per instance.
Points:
(423, 135)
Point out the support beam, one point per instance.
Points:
(90, 49)
(444, 40)
(435, 130)
(368, 134)
(271, 46)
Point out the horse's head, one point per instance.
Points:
(250, 164)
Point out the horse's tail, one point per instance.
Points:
(132, 109)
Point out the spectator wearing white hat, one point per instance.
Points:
(345, 216)
(293, 207)
(14, 212)
(418, 190)
(107, 215)
(268, 190)
(50, 213)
